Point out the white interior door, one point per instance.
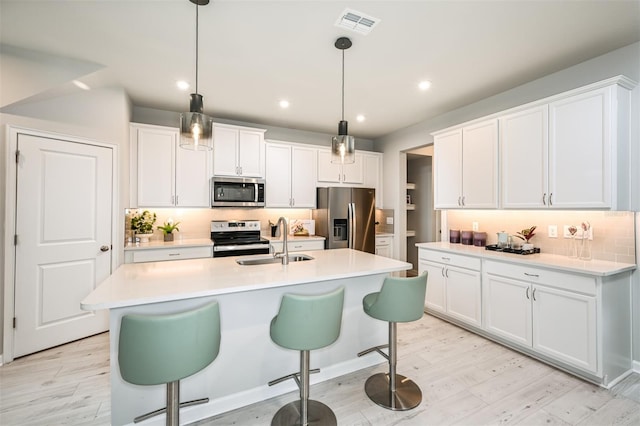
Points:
(63, 250)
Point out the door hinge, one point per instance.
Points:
(15, 240)
(14, 322)
(17, 156)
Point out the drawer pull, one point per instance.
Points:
(446, 259)
(532, 275)
(174, 254)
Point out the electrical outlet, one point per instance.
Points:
(553, 231)
(389, 221)
(474, 226)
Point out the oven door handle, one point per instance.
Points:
(240, 247)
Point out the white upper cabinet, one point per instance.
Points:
(290, 175)
(524, 167)
(581, 158)
(330, 173)
(571, 153)
(373, 174)
(238, 151)
(466, 167)
(162, 173)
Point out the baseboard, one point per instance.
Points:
(636, 367)
(1, 363)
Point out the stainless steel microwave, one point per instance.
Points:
(237, 192)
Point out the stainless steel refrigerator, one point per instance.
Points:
(346, 218)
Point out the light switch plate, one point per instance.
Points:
(474, 226)
(553, 231)
(389, 221)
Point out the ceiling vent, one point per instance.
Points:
(356, 21)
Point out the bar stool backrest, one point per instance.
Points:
(158, 349)
(307, 322)
(400, 299)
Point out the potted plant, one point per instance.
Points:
(526, 234)
(142, 224)
(167, 229)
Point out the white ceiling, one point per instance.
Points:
(254, 53)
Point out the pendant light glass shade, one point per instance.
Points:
(196, 128)
(343, 146)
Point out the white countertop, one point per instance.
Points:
(153, 282)
(589, 267)
(156, 244)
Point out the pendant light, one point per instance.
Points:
(196, 128)
(343, 146)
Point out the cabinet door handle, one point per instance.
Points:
(528, 292)
(544, 199)
(446, 273)
(442, 271)
(463, 201)
(550, 195)
(176, 200)
(293, 202)
(534, 295)
(532, 275)
(459, 203)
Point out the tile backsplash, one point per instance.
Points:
(195, 223)
(613, 232)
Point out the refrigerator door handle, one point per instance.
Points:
(352, 225)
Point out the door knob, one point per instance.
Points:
(104, 248)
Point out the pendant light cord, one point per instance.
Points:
(197, 21)
(342, 84)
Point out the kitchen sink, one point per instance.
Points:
(265, 260)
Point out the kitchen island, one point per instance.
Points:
(249, 297)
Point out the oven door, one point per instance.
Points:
(239, 249)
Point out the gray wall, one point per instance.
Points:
(170, 118)
(623, 61)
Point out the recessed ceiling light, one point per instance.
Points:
(424, 85)
(182, 85)
(361, 118)
(81, 85)
(284, 104)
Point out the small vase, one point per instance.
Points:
(573, 248)
(144, 238)
(168, 237)
(585, 249)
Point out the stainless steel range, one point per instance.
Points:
(237, 237)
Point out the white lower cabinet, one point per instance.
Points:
(167, 253)
(384, 246)
(552, 313)
(293, 246)
(453, 285)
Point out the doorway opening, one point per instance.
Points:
(422, 221)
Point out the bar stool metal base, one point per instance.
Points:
(318, 414)
(406, 396)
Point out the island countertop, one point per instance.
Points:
(153, 282)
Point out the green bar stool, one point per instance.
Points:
(304, 323)
(163, 349)
(399, 300)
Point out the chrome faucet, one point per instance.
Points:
(284, 254)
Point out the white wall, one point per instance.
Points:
(625, 61)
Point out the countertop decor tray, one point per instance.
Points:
(494, 247)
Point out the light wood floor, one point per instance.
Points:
(465, 379)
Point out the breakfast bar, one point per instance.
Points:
(249, 296)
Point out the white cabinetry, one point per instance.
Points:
(163, 174)
(373, 174)
(167, 253)
(384, 245)
(466, 166)
(297, 245)
(551, 312)
(290, 175)
(571, 153)
(453, 285)
(330, 173)
(238, 151)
